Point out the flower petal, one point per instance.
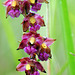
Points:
(24, 60)
(22, 44)
(30, 50)
(36, 7)
(20, 67)
(40, 67)
(25, 26)
(25, 7)
(49, 41)
(39, 20)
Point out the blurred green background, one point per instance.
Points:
(61, 28)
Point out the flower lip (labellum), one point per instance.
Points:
(43, 56)
(36, 7)
(30, 50)
(14, 13)
(35, 28)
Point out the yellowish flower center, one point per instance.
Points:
(32, 20)
(44, 45)
(28, 67)
(32, 1)
(14, 3)
(32, 40)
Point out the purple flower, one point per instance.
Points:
(45, 51)
(30, 39)
(36, 7)
(12, 8)
(34, 21)
(30, 66)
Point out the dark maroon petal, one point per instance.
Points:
(27, 72)
(24, 60)
(25, 26)
(25, 7)
(31, 14)
(23, 44)
(7, 10)
(39, 66)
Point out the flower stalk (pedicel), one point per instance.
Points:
(32, 42)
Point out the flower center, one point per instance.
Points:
(32, 40)
(32, 20)
(14, 3)
(28, 67)
(32, 1)
(44, 45)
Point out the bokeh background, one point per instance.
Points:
(61, 28)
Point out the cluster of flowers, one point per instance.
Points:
(32, 42)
